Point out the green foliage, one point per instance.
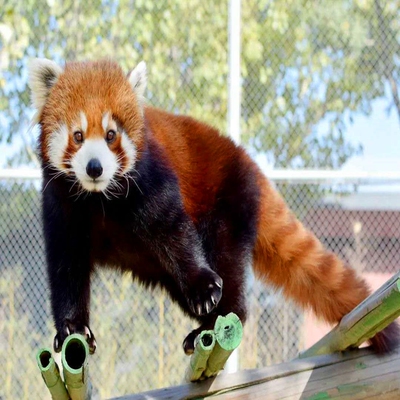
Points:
(307, 62)
(303, 62)
(305, 65)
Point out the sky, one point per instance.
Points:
(380, 136)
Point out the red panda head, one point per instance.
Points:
(91, 119)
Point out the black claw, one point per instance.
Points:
(56, 345)
(205, 293)
(188, 343)
(70, 328)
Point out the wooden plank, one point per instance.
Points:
(246, 378)
(364, 377)
(358, 374)
(369, 317)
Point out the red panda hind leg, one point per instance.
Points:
(290, 257)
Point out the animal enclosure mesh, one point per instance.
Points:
(308, 68)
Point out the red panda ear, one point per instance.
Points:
(43, 74)
(138, 80)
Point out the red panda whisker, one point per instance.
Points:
(80, 192)
(56, 175)
(127, 177)
(48, 166)
(127, 186)
(114, 190)
(137, 172)
(115, 184)
(133, 180)
(130, 177)
(75, 182)
(105, 194)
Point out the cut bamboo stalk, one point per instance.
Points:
(228, 333)
(75, 362)
(375, 313)
(204, 345)
(51, 375)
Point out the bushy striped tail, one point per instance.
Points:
(291, 258)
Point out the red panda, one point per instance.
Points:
(170, 200)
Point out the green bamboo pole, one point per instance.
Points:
(204, 345)
(75, 362)
(51, 375)
(228, 333)
(369, 317)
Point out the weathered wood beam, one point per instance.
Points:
(356, 374)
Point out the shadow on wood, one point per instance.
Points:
(357, 374)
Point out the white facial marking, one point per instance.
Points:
(108, 123)
(58, 143)
(94, 148)
(84, 123)
(130, 151)
(105, 121)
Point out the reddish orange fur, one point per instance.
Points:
(78, 84)
(285, 255)
(290, 257)
(198, 154)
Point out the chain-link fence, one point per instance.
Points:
(140, 332)
(307, 69)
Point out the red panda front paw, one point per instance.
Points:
(205, 292)
(188, 344)
(68, 329)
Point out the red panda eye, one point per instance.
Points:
(111, 135)
(78, 137)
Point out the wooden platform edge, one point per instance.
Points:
(230, 383)
(372, 315)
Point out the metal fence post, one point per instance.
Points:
(234, 105)
(234, 83)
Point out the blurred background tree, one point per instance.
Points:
(308, 67)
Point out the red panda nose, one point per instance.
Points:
(94, 168)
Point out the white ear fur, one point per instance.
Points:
(138, 80)
(43, 74)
